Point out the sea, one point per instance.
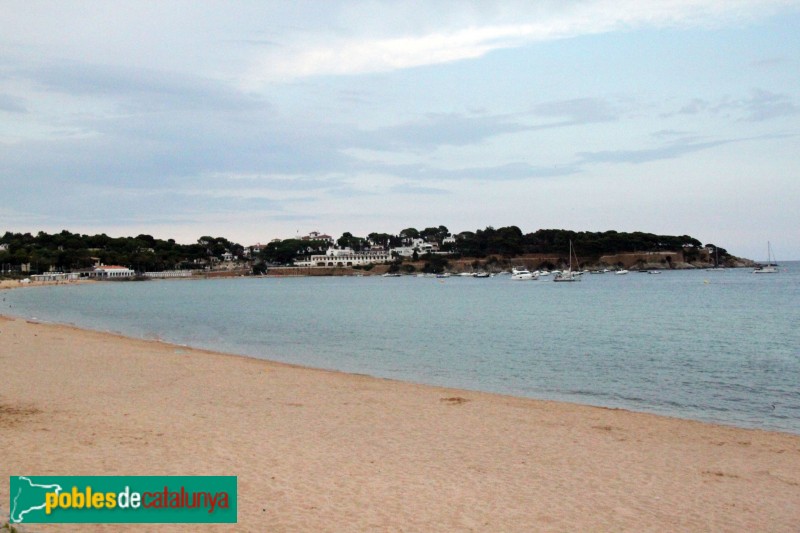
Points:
(720, 347)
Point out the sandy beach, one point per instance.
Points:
(325, 451)
(17, 284)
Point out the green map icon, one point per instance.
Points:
(28, 498)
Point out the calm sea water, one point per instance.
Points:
(713, 346)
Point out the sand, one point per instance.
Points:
(17, 284)
(325, 451)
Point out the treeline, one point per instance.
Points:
(510, 241)
(507, 242)
(72, 251)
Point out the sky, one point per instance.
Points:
(268, 119)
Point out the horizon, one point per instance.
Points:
(255, 120)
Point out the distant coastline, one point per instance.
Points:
(69, 256)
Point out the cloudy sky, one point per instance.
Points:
(256, 120)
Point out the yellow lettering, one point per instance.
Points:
(51, 502)
(65, 500)
(97, 499)
(78, 499)
(111, 500)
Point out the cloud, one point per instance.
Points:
(577, 111)
(761, 105)
(694, 107)
(410, 188)
(359, 52)
(765, 105)
(12, 104)
(119, 205)
(646, 155)
(139, 88)
(437, 129)
(454, 129)
(505, 172)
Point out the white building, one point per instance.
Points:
(420, 246)
(111, 272)
(317, 236)
(345, 257)
(55, 276)
(168, 274)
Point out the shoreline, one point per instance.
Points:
(325, 450)
(302, 367)
(674, 414)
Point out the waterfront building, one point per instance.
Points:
(346, 257)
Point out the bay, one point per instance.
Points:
(714, 346)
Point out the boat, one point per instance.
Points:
(568, 274)
(621, 272)
(481, 275)
(716, 267)
(771, 267)
(391, 275)
(522, 274)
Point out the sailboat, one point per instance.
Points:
(569, 275)
(771, 267)
(716, 267)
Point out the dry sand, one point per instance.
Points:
(325, 451)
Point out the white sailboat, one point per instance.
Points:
(771, 267)
(569, 275)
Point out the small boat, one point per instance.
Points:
(391, 275)
(621, 272)
(771, 267)
(654, 272)
(522, 274)
(443, 275)
(481, 275)
(569, 275)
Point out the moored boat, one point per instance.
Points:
(771, 267)
(522, 274)
(568, 274)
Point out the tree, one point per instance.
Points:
(435, 234)
(283, 252)
(347, 240)
(409, 233)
